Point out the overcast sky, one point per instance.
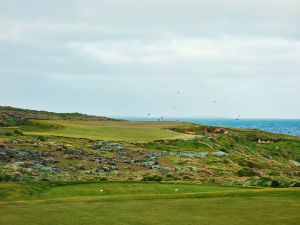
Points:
(162, 57)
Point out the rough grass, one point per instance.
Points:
(145, 203)
(107, 130)
(193, 145)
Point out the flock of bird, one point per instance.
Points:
(174, 107)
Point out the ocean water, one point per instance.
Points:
(281, 126)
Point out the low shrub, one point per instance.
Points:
(248, 172)
(18, 132)
(103, 179)
(154, 177)
(171, 177)
(42, 138)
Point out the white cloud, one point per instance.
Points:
(127, 52)
(166, 51)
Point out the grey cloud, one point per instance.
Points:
(112, 51)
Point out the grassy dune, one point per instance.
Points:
(108, 130)
(145, 203)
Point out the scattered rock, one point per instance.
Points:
(293, 162)
(190, 154)
(108, 146)
(191, 168)
(11, 155)
(161, 167)
(264, 142)
(296, 184)
(44, 168)
(219, 154)
(114, 168)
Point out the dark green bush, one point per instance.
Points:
(18, 132)
(103, 179)
(42, 138)
(171, 177)
(154, 177)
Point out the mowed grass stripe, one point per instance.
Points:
(123, 191)
(225, 194)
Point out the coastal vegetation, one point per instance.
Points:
(99, 170)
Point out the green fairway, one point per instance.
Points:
(145, 203)
(110, 130)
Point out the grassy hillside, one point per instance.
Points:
(10, 116)
(80, 149)
(65, 150)
(145, 203)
